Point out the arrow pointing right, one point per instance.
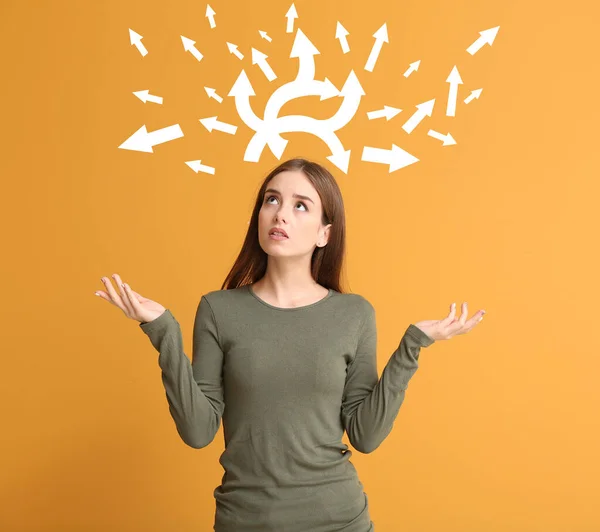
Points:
(448, 139)
(396, 157)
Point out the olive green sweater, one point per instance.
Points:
(286, 382)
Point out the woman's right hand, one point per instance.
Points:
(130, 302)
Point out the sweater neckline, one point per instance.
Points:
(327, 296)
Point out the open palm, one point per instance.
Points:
(134, 305)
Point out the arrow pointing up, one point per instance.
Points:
(340, 33)
(381, 36)
(291, 15)
(454, 80)
(210, 14)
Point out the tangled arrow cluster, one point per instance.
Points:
(268, 130)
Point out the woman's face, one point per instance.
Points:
(300, 217)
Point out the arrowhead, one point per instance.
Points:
(242, 86)
(292, 12)
(454, 76)
(209, 91)
(134, 37)
(489, 35)
(257, 56)
(276, 144)
(426, 107)
(449, 140)
(400, 158)
(142, 95)
(341, 159)
(231, 47)
(476, 93)
(209, 11)
(415, 65)
(381, 33)
(390, 112)
(209, 123)
(302, 46)
(340, 31)
(194, 165)
(263, 34)
(352, 87)
(329, 90)
(139, 141)
(187, 43)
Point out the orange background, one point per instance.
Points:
(499, 429)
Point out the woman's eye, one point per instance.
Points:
(299, 203)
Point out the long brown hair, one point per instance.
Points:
(326, 261)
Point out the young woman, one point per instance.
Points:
(288, 361)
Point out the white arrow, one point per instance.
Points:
(412, 68)
(291, 15)
(211, 123)
(241, 91)
(260, 59)
(296, 89)
(448, 139)
(145, 96)
(396, 157)
(423, 109)
(188, 46)
(285, 93)
(381, 36)
(485, 37)
(305, 51)
(387, 111)
(264, 35)
(142, 140)
(213, 94)
(136, 40)
(303, 85)
(351, 92)
(233, 49)
(474, 94)
(340, 33)
(210, 13)
(304, 124)
(197, 167)
(454, 80)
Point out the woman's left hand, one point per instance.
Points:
(450, 326)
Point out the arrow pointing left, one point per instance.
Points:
(143, 140)
(145, 96)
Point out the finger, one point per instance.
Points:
(132, 299)
(124, 296)
(110, 291)
(477, 317)
(465, 313)
(115, 298)
(468, 325)
(450, 318)
(103, 295)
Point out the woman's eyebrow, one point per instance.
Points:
(295, 195)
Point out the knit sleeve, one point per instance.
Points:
(194, 390)
(370, 404)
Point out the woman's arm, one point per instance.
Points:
(371, 404)
(194, 391)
